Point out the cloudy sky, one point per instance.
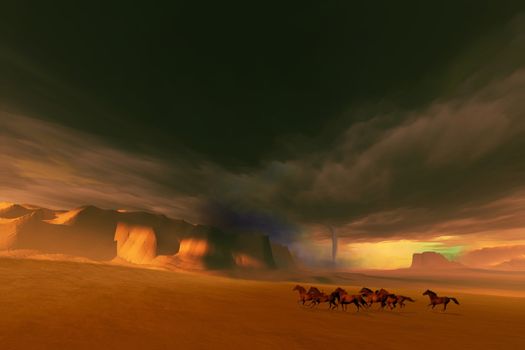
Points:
(401, 126)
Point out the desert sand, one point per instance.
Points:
(71, 305)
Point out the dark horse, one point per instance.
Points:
(435, 300)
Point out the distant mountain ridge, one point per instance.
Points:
(515, 264)
(140, 238)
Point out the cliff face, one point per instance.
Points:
(282, 257)
(134, 237)
(136, 244)
(432, 260)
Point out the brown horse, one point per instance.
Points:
(334, 300)
(315, 295)
(345, 299)
(435, 300)
(389, 300)
(371, 297)
(314, 291)
(401, 300)
(303, 295)
(331, 299)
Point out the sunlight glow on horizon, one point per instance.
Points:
(389, 254)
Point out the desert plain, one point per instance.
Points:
(73, 305)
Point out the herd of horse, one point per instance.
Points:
(364, 299)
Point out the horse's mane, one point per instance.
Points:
(431, 292)
(367, 290)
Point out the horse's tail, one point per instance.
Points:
(409, 299)
(454, 300)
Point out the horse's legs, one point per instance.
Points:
(383, 304)
(445, 305)
(433, 306)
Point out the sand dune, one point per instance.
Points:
(65, 218)
(36, 255)
(59, 305)
(10, 228)
(12, 210)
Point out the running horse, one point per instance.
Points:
(436, 300)
(315, 296)
(389, 300)
(401, 300)
(331, 299)
(314, 291)
(379, 296)
(344, 299)
(303, 295)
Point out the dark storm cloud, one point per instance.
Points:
(230, 79)
(380, 132)
(442, 163)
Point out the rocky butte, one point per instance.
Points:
(432, 261)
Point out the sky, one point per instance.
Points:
(400, 125)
